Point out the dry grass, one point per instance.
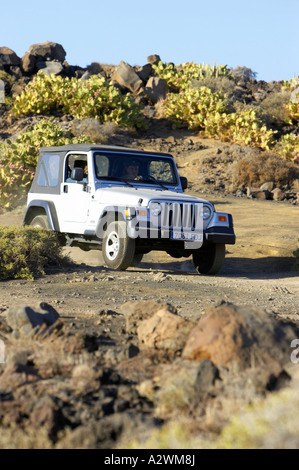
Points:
(91, 127)
(51, 354)
(256, 169)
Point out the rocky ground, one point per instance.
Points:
(158, 356)
(113, 373)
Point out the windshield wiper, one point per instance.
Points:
(151, 179)
(115, 178)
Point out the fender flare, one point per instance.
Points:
(109, 214)
(37, 207)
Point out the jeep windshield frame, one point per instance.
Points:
(135, 168)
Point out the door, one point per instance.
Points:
(74, 196)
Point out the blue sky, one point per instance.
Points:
(259, 34)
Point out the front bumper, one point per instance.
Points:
(220, 235)
(219, 230)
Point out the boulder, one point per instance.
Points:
(72, 71)
(15, 72)
(95, 68)
(242, 336)
(48, 51)
(153, 59)
(268, 186)
(182, 385)
(257, 193)
(206, 376)
(8, 57)
(28, 62)
(278, 194)
(126, 76)
(156, 89)
(135, 312)
(85, 76)
(26, 320)
(144, 72)
(164, 330)
(49, 67)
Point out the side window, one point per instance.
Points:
(76, 161)
(49, 172)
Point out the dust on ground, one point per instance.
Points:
(257, 270)
(88, 297)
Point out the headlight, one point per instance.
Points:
(206, 212)
(156, 209)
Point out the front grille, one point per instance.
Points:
(176, 215)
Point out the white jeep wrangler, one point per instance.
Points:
(125, 202)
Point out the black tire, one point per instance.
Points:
(118, 249)
(209, 258)
(137, 259)
(174, 254)
(40, 221)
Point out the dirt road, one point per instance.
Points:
(97, 343)
(257, 270)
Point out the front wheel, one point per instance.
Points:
(209, 258)
(118, 249)
(137, 259)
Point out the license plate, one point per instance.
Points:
(186, 236)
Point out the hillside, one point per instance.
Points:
(236, 131)
(155, 357)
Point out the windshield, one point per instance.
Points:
(139, 168)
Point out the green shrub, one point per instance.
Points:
(190, 108)
(288, 146)
(26, 251)
(292, 107)
(241, 128)
(206, 108)
(18, 159)
(293, 110)
(201, 109)
(179, 77)
(81, 99)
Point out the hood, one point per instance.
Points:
(126, 196)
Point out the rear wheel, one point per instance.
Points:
(118, 249)
(40, 221)
(209, 258)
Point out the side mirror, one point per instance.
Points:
(184, 182)
(77, 174)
